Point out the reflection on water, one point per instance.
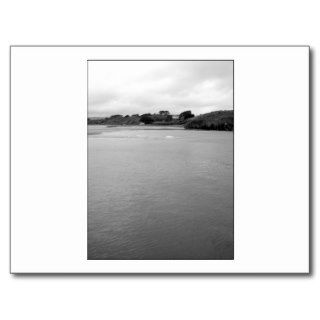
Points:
(159, 193)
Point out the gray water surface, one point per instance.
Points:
(159, 193)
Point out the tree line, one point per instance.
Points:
(162, 116)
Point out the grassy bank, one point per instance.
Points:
(217, 120)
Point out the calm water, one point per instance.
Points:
(159, 193)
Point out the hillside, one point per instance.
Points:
(217, 120)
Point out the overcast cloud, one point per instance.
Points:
(130, 87)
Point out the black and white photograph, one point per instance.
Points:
(160, 160)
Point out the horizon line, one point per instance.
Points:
(156, 113)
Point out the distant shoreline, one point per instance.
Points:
(141, 127)
(216, 120)
(136, 125)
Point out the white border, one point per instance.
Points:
(48, 159)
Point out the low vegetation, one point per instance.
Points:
(217, 120)
(116, 120)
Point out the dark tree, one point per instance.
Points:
(186, 115)
(146, 119)
(164, 113)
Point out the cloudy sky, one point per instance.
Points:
(130, 87)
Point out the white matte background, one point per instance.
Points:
(49, 153)
(144, 22)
